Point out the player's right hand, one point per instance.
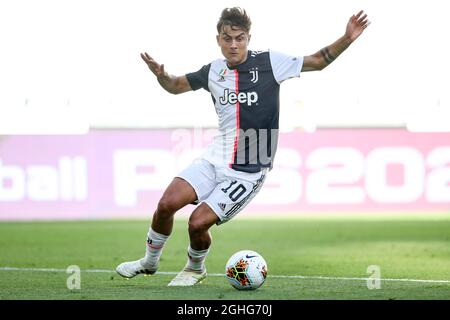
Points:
(155, 67)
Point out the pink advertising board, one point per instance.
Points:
(122, 173)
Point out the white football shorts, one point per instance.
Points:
(224, 190)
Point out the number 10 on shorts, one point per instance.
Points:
(237, 191)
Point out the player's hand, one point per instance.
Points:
(356, 25)
(155, 67)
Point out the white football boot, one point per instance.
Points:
(187, 278)
(133, 268)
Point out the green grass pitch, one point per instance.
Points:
(308, 258)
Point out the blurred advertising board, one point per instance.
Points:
(122, 173)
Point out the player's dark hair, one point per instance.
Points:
(235, 17)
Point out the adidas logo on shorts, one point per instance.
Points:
(222, 206)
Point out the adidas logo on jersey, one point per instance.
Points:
(242, 97)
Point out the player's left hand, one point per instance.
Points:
(356, 25)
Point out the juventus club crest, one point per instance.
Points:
(254, 77)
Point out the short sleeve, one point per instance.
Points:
(284, 66)
(199, 79)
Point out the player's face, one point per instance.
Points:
(233, 42)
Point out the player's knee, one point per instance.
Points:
(201, 220)
(166, 207)
(197, 225)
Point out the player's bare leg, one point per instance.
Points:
(177, 195)
(201, 220)
(200, 240)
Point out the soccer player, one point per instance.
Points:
(244, 87)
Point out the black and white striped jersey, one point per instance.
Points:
(246, 98)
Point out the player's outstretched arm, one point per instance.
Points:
(172, 84)
(321, 59)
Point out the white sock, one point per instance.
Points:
(155, 244)
(196, 259)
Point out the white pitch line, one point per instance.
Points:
(222, 275)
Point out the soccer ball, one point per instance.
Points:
(246, 270)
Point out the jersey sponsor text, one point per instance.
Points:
(242, 97)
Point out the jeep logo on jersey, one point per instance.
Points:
(242, 97)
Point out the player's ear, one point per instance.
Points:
(217, 38)
(249, 37)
